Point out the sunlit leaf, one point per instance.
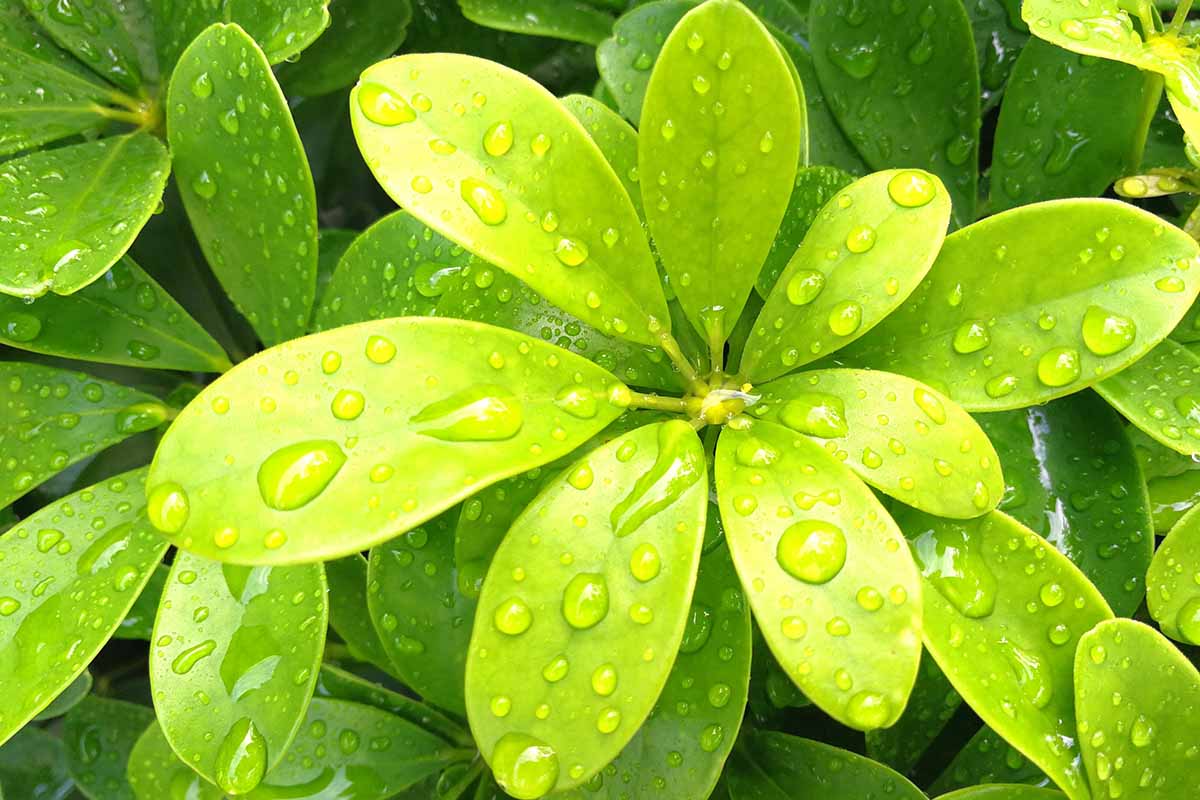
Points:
(617, 140)
(1003, 792)
(156, 772)
(360, 33)
(1156, 394)
(68, 698)
(814, 187)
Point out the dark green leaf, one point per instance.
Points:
(827, 144)
(573, 20)
(931, 705)
(342, 685)
(348, 612)
(999, 37)
(68, 698)
(99, 735)
(360, 33)
(139, 622)
(987, 758)
(332, 244)
(155, 772)
(282, 28)
(1003, 792)
(1156, 395)
(625, 58)
(94, 33)
(34, 765)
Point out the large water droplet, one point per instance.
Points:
(845, 318)
(525, 767)
(482, 413)
(1188, 620)
(1106, 332)
(140, 417)
(868, 710)
(294, 475)
(971, 337)
(911, 188)
(585, 600)
(812, 550)
(1058, 366)
(21, 327)
(188, 658)
(804, 286)
(512, 617)
(950, 558)
(242, 758)
(698, 629)
(644, 562)
(678, 465)
(815, 414)
(381, 106)
(498, 139)
(167, 507)
(485, 201)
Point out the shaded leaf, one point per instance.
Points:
(341, 685)
(1003, 792)
(282, 28)
(99, 735)
(68, 698)
(1156, 395)
(348, 613)
(987, 758)
(139, 622)
(156, 772)
(360, 33)
(930, 707)
(1000, 36)
(626, 57)
(573, 20)
(93, 32)
(33, 764)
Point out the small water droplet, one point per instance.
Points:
(585, 600)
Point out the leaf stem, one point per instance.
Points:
(1152, 89)
(1180, 17)
(671, 347)
(658, 402)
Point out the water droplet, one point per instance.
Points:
(202, 86)
(485, 201)
(539, 145)
(1000, 386)
(1106, 332)
(711, 738)
(294, 475)
(604, 680)
(379, 349)
(860, 239)
(571, 252)
(498, 139)
(698, 628)
(845, 318)
(868, 710)
(140, 417)
(971, 337)
(815, 414)
(21, 327)
(556, 669)
(381, 106)
(804, 286)
(678, 465)
(645, 562)
(1171, 284)
(512, 617)
(950, 558)
(859, 60)
(1188, 620)
(525, 767)
(422, 184)
(482, 413)
(188, 658)
(1074, 29)
(1141, 733)
(347, 404)
(167, 507)
(812, 550)
(929, 403)
(204, 185)
(585, 600)
(911, 188)
(242, 758)
(1058, 366)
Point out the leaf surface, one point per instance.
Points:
(1000, 35)
(987, 759)
(34, 764)
(139, 622)
(338, 684)
(155, 771)
(282, 28)
(68, 698)
(99, 735)
(626, 58)
(617, 140)
(814, 187)
(93, 32)
(573, 20)
(1172, 593)
(348, 613)
(1156, 395)
(1003, 792)
(360, 33)
(930, 707)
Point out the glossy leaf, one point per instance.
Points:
(99, 735)
(34, 764)
(867, 250)
(584, 608)
(488, 404)
(480, 293)
(245, 180)
(1012, 665)
(1003, 792)
(1172, 480)
(68, 698)
(572, 20)
(1038, 302)
(1073, 478)
(1137, 696)
(360, 33)
(125, 317)
(348, 613)
(1172, 591)
(235, 656)
(55, 418)
(416, 262)
(427, 641)
(711, 178)
(1000, 35)
(626, 57)
(932, 704)
(332, 244)
(571, 233)
(617, 140)
(67, 215)
(156, 772)
(282, 28)
(341, 685)
(988, 759)
(904, 85)
(831, 585)
(814, 187)
(1066, 126)
(91, 31)
(139, 622)
(72, 570)
(897, 434)
(1156, 394)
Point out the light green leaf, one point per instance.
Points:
(451, 137)
(1155, 394)
(125, 317)
(282, 28)
(422, 616)
(348, 613)
(360, 33)
(709, 178)
(1073, 477)
(867, 250)
(415, 260)
(94, 33)
(831, 584)
(67, 215)
(1000, 36)
(1013, 666)
(34, 764)
(234, 660)
(486, 404)
(244, 180)
(1136, 695)
(987, 758)
(1066, 125)
(897, 434)
(1003, 792)
(584, 608)
(68, 698)
(139, 622)
(626, 57)
(573, 20)
(930, 707)
(617, 140)
(99, 734)
(341, 685)
(904, 85)
(1038, 302)
(60, 609)
(55, 418)
(156, 772)
(1172, 593)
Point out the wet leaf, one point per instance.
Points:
(1155, 394)
(1000, 35)
(1003, 612)
(584, 608)
(139, 622)
(617, 140)
(1172, 480)
(348, 613)
(360, 33)
(487, 404)
(626, 57)
(867, 250)
(814, 187)
(125, 317)
(831, 584)
(1003, 792)
(1066, 125)
(571, 234)
(332, 244)
(572, 20)
(68, 698)
(711, 177)
(68, 214)
(235, 657)
(341, 685)
(245, 180)
(904, 85)
(156, 772)
(1136, 696)
(897, 434)
(1073, 477)
(72, 570)
(1172, 591)
(99, 735)
(930, 707)
(1037, 302)
(93, 33)
(34, 764)
(55, 418)
(282, 28)
(988, 759)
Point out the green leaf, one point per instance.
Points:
(99, 734)
(866, 251)
(987, 758)
(814, 187)
(68, 698)
(67, 215)
(572, 235)
(485, 404)
(348, 613)
(282, 28)
(139, 621)
(617, 140)
(55, 418)
(584, 608)
(897, 434)
(1012, 665)
(1172, 480)
(341, 685)
(1003, 792)
(827, 144)
(625, 58)
(1000, 35)
(332, 244)
(93, 32)
(480, 293)
(1038, 302)
(60, 609)
(723, 130)
(1172, 593)
(930, 707)
(1073, 478)
(416, 261)
(1135, 695)
(1155, 394)
(360, 33)
(34, 765)
(156, 772)
(832, 587)
(1066, 125)
(573, 20)
(422, 616)
(125, 317)
(245, 180)
(235, 657)
(904, 85)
